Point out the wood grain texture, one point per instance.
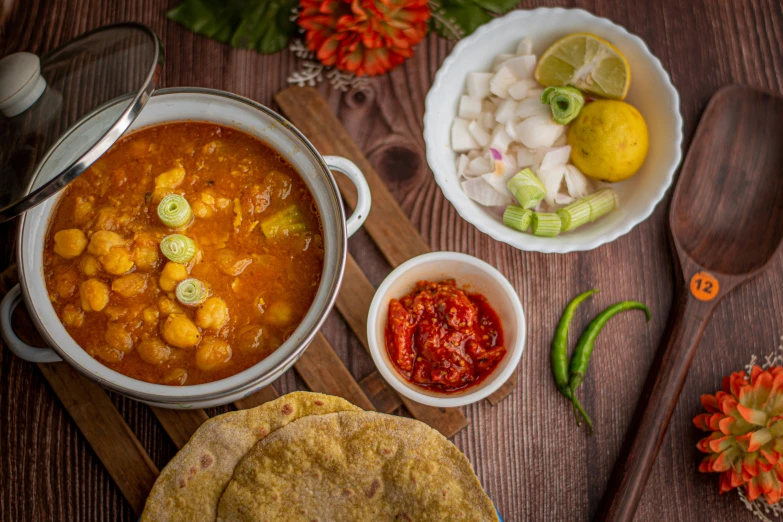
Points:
(533, 462)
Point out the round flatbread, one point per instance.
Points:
(189, 487)
(355, 466)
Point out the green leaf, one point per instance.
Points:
(262, 25)
(467, 15)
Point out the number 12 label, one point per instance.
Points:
(704, 286)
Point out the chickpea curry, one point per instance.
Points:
(188, 253)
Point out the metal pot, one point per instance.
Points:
(191, 104)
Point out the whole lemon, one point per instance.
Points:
(608, 140)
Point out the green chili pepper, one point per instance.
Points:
(586, 343)
(559, 354)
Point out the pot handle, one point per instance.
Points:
(364, 199)
(19, 347)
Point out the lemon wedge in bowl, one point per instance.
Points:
(586, 62)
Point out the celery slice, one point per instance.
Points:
(575, 215)
(566, 103)
(527, 188)
(191, 292)
(174, 211)
(517, 218)
(545, 224)
(284, 223)
(178, 248)
(601, 203)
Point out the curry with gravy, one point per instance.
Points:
(186, 254)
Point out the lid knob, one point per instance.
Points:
(21, 83)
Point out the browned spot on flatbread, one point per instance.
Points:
(373, 489)
(347, 492)
(182, 482)
(386, 451)
(192, 471)
(404, 516)
(262, 432)
(206, 460)
(319, 403)
(287, 409)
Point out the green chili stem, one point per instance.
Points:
(586, 343)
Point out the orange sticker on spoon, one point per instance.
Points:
(704, 286)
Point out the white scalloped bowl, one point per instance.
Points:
(651, 92)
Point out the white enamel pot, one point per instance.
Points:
(194, 104)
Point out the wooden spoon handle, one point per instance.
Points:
(655, 407)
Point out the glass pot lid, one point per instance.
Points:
(63, 111)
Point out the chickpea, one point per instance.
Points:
(118, 338)
(106, 219)
(154, 351)
(109, 354)
(230, 263)
(66, 283)
(146, 258)
(73, 316)
(213, 353)
(115, 313)
(168, 307)
(176, 377)
(89, 265)
(69, 243)
(94, 295)
(213, 313)
(279, 314)
(172, 274)
(117, 261)
(201, 210)
(102, 241)
(82, 209)
(171, 178)
(180, 332)
(251, 339)
(130, 285)
(150, 315)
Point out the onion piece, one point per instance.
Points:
(501, 59)
(511, 131)
(478, 84)
(552, 179)
(479, 134)
(500, 140)
(487, 120)
(577, 184)
(462, 164)
(538, 131)
(520, 89)
(506, 111)
(461, 138)
(482, 192)
(501, 81)
(532, 106)
(525, 46)
(557, 157)
(521, 67)
(469, 108)
(478, 166)
(525, 157)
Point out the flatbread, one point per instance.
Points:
(189, 487)
(355, 466)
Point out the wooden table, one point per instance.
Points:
(533, 461)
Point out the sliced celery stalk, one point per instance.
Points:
(546, 224)
(284, 223)
(517, 218)
(527, 188)
(601, 203)
(574, 215)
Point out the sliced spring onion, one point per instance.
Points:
(566, 102)
(174, 211)
(574, 215)
(527, 188)
(517, 217)
(178, 248)
(191, 292)
(283, 223)
(545, 224)
(602, 202)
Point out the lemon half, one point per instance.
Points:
(586, 62)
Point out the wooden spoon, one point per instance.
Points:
(726, 219)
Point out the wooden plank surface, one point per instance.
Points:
(533, 462)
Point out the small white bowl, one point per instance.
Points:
(478, 277)
(651, 92)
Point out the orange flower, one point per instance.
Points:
(365, 37)
(746, 440)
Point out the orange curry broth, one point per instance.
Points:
(442, 338)
(233, 182)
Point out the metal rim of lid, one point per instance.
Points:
(105, 142)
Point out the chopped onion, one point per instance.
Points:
(525, 46)
(530, 107)
(538, 131)
(487, 120)
(482, 192)
(577, 184)
(500, 140)
(557, 157)
(488, 106)
(552, 179)
(469, 108)
(501, 59)
(525, 157)
(511, 131)
(521, 67)
(520, 89)
(478, 166)
(563, 199)
(506, 111)
(478, 84)
(462, 164)
(501, 81)
(479, 134)
(461, 139)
